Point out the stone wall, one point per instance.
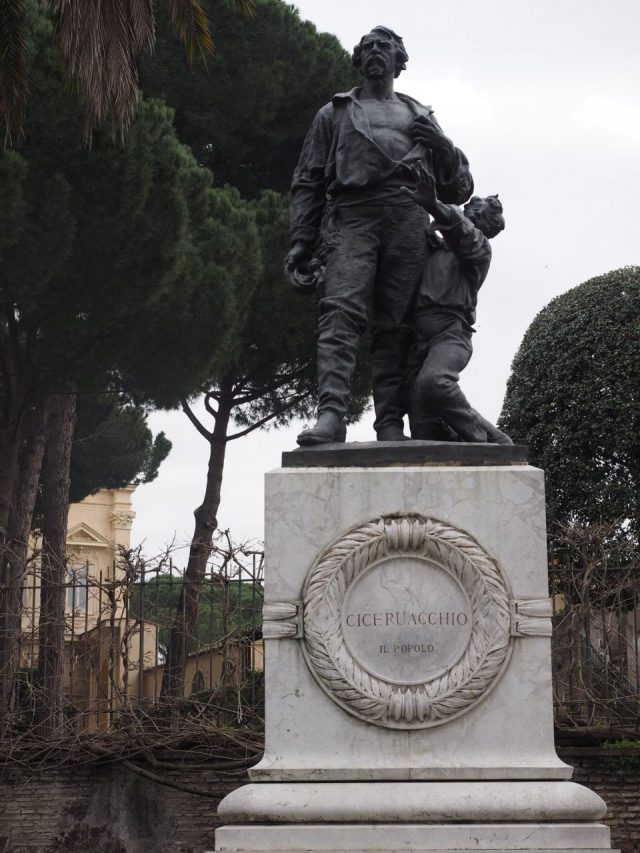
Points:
(615, 775)
(109, 809)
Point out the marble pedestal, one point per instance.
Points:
(408, 672)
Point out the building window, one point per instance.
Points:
(197, 685)
(77, 587)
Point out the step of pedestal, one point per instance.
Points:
(415, 838)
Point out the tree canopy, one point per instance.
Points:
(574, 398)
(100, 46)
(246, 114)
(112, 446)
(118, 273)
(223, 608)
(102, 268)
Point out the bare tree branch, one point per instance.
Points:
(262, 421)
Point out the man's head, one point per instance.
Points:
(486, 214)
(380, 46)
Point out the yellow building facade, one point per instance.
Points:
(104, 644)
(113, 650)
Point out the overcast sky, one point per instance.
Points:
(544, 98)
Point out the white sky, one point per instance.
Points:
(544, 98)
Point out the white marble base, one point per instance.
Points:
(411, 802)
(509, 734)
(416, 838)
(488, 779)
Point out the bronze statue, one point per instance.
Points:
(352, 219)
(456, 266)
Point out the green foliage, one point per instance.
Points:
(625, 743)
(112, 446)
(196, 324)
(574, 398)
(99, 47)
(13, 208)
(623, 755)
(246, 114)
(224, 607)
(104, 251)
(125, 262)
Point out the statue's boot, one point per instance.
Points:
(494, 435)
(389, 356)
(391, 432)
(338, 338)
(329, 428)
(429, 427)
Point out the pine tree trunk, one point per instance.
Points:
(184, 626)
(9, 452)
(18, 387)
(55, 506)
(13, 566)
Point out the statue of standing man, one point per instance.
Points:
(348, 207)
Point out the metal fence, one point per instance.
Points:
(116, 629)
(596, 663)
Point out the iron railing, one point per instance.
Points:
(595, 649)
(116, 628)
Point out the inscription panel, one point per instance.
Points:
(406, 620)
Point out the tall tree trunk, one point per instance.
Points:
(184, 625)
(55, 506)
(18, 388)
(9, 456)
(13, 564)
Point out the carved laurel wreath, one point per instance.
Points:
(370, 697)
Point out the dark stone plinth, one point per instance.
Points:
(372, 454)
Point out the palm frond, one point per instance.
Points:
(13, 68)
(191, 24)
(143, 23)
(101, 42)
(247, 7)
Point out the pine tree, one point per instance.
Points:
(98, 250)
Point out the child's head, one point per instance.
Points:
(486, 214)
